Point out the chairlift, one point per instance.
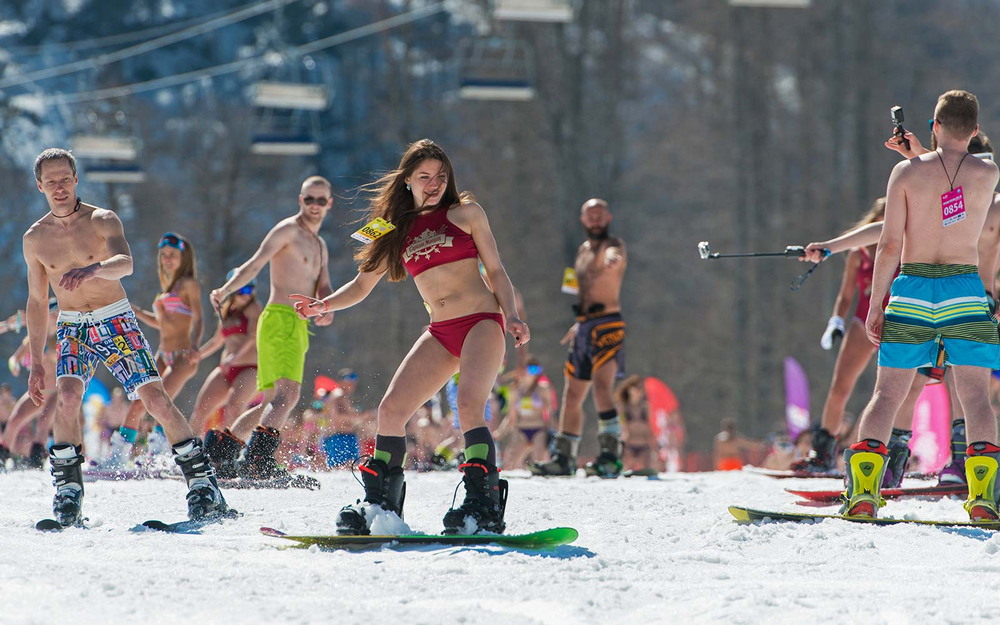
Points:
(533, 10)
(772, 4)
(496, 68)
(128, 173)
(105, 147)
(286, 118)
(289, 95)
(108, 149)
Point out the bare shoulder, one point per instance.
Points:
(283, 231)
(34, 231)
(285, 225)
(466, 211)
(106, 220)
(188, 284)
(467, 215)
(616, 242)
(906, 167)
(986, 167)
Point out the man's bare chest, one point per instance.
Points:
(587, 263)
(60, 250)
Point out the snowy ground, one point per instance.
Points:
(650, 551)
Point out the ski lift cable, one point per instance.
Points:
(235, 66)
(111, 40)
(148, 46)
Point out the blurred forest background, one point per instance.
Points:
(749, 127)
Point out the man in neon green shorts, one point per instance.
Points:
(298, 259)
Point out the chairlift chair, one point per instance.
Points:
(128, 173)
(533, 10)
(286, 118)
(772, 4)
(105, 147)
(496, 68)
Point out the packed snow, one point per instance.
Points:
(661, 550)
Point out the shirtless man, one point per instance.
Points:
(989, 263)
(298, 259)
(80, 252)
(596, 353)
(936, 206)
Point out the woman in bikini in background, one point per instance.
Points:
(526, 423)
(440, 237)
(177, 315)
(234, 381)
(855, 349)
(641, 452)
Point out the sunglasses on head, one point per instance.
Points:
(310, 200)
(172, 240)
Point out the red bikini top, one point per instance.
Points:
(434, 240)
(240, 327)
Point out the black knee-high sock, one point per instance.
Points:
(390, 449)
(479, 444)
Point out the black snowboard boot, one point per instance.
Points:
(258, 462)
(563, 460)
(67, 463)
(384, 487)
(223, 451)
(36, 456)
(608, 463)
(899, 458)
(485, 501)
(204, 499)
(4, 457)
(822, 457)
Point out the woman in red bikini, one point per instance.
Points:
(234, 381)
(440, 237)
(855, 350)
(177, 315)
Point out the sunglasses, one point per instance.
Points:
(247, 290)
(350, 377)
(172, 240)
(534, 369)
(310, 200)
(930, 125)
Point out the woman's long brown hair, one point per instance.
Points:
(875, 213)
(393, 202)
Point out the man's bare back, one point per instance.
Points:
(922, 180)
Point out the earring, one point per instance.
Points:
(407, 187)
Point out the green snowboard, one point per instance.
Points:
(545, 539)
(749, 515)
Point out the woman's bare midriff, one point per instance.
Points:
(456, 290)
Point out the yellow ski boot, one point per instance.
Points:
(981, 463)
(866, 462)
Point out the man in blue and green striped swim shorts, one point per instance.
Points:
(938, 307)
(937, 203)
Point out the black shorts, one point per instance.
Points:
(598, 340)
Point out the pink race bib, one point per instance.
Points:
(952, 207)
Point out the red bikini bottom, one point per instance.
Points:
(451, 333)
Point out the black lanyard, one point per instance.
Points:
(951, 180)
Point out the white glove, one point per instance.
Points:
(834, 331)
